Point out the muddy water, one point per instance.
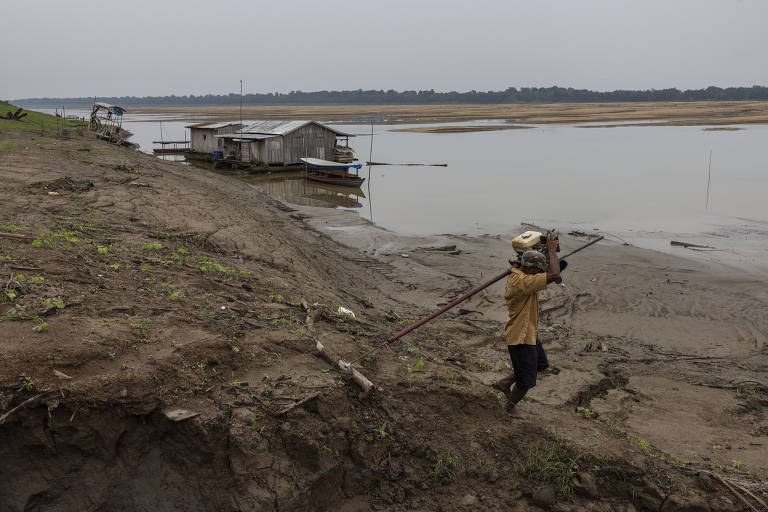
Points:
(645, 185)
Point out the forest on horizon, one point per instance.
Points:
(422, 97)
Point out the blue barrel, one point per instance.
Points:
(217, 155)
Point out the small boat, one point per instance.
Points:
(335, 173)
(328, 165)
(345, 179)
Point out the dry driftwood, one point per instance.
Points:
(12, 235)
(338, 363)
(301, 402)
(357, 377)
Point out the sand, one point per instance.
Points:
(676, 113)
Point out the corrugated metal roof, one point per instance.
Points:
(246, 136)
(213, 126)
(279, 127)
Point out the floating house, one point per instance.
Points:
(272, 143)
(203, 136)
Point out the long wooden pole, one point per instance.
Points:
(402, 332)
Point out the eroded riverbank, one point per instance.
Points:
(179, 287)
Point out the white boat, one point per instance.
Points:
(328, 165)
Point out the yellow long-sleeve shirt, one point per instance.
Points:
(522, 297)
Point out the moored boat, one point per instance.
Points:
(328, 165)
(336, 173)
(345, 179)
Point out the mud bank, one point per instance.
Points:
(140, 285)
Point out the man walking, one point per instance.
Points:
(522, 298)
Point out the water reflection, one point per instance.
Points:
(293, 188)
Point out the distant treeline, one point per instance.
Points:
(392, 97)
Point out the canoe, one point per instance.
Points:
(316, 163)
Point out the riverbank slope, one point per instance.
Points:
(136, 290)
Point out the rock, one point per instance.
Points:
(468, 500)
(545, 497)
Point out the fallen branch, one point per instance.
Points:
(301, 402)
(25, 403)
(13, 235)
(346, 369)
(338, 363)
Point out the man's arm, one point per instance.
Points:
(553, 273)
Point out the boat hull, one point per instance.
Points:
(347, 180)
(327, 165)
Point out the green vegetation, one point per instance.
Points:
(152, 246)
(210, 265)
(382, 431)
(8, 297)
(56, 302)
(201, 376)
(55, 240)
(445, 468)
(11, 227)
(26, 382)
(551, 459)
(34, 120)
(644, 445)
(141, 326)
(21, 278)
(586, 412)
(41, 326)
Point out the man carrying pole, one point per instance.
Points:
(522, 298)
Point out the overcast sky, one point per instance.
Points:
(84, 48)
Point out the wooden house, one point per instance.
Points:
(283, 143)
(202, 136)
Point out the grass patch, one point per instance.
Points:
(208, 265)
(12, 226)
(551, 459)
(34, 121)
(55, 240)
(445, 469)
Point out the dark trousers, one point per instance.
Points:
(527, 360)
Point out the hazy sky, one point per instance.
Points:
(58, 48)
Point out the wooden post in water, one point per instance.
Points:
(709, 179)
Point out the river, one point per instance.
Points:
(645, 185)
